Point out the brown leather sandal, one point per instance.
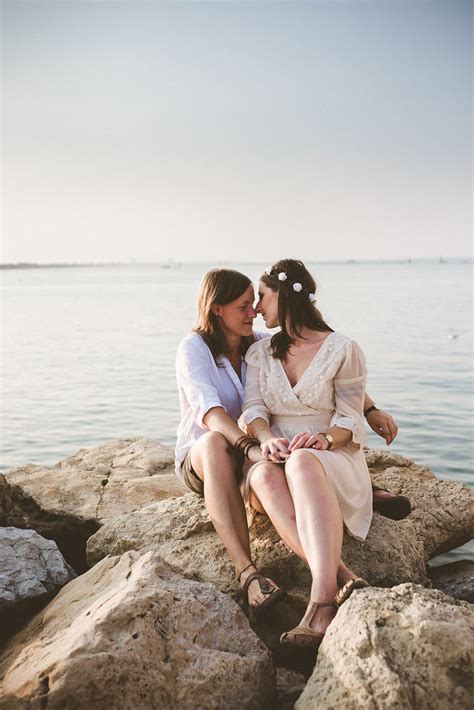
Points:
(395, 507)
(273, 594)
(346, 590)
(303, 635)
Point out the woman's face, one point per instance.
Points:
(267, 305)
(237, 317)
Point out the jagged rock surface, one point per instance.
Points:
(131, 633)
(31, 570)
(407, 647)
(455, 579)
(68, 502)
(442, 511)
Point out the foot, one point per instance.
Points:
(322, 618)
(380, 494)
(255, 595)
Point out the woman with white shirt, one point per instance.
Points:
(304, 401)
(210, 450)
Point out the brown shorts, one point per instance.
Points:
(190, 476)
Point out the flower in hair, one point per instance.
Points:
(282, 276)
(297, 287)
(312, 297)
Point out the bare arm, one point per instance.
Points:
(217, 419)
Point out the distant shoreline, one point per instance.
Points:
(179, 264)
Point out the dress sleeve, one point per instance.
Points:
(349, 387)
(254, 406)
(194, 375)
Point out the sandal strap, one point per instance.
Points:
(243, 570)
(265, 587)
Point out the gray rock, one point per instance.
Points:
(131, 633)
(455, 579)
(68, 502)
(32, 570)
(407, 647)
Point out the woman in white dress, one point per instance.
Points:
(304, 401)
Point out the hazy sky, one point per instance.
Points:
(235, 130)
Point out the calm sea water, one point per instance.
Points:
(88, 353)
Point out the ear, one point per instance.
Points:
(216, 312)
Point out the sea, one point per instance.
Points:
(88, 354)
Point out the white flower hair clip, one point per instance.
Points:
(297, 287)
(282, 276)
(268, 272)
(312, 297)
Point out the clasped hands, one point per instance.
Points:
(279, 449)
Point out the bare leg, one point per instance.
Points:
(215, 466)
(320, 528)
(270, 495)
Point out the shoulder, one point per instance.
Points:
(192, 346)
(345, 346)
(258, 350)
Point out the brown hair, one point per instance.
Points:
(219, 287)
(295, 309)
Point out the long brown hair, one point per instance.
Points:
(219, 287)
(296, 310)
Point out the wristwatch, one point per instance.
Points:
(328, 438)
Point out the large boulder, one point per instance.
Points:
(442, 511)
(407, 647)
(68, 502)
(181, 531)
(32, 570)
(131, 633)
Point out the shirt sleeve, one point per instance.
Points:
(349, 387)
(254, 406)
(194, 376)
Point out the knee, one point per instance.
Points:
(267, 478)
(213, 441)
(300, 462)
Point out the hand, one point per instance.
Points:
(307, 441)
(275, 450)
(383, 424)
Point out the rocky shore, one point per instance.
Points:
(116, 592)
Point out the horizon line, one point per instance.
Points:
(177, 263)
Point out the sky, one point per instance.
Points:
(235, 131)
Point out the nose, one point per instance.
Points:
(252, 312)
(258, 308)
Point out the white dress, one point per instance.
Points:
(329, 393)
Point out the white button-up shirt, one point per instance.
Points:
(203, 385)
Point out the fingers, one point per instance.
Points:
(299, 441)
(276, 450)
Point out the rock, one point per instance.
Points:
(131, 633)
(68, 502)
(443, 511)
(181, 531)
(407, 647)
(455, 579)
(290, 685)
(32, 570)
